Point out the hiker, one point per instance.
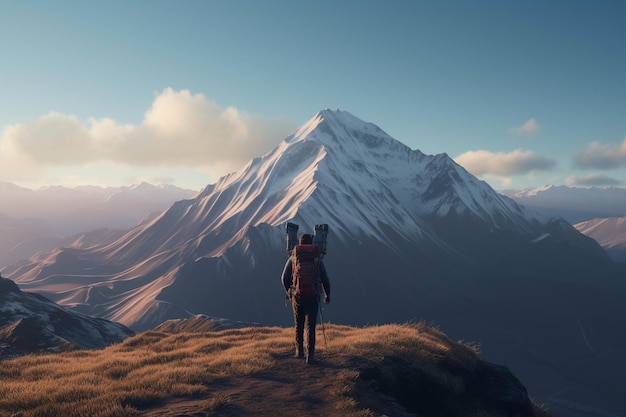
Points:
(302, 275)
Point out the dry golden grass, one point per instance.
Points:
(139, 371)
(153, 367)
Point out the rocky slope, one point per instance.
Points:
(610, 233)
(30, 323)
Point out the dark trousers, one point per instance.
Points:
(305, 316)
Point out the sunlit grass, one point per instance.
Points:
(139, 371)
(154, 366)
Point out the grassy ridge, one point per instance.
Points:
(153, 367)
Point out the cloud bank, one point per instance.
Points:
(592, 179)
(602, 156)
(502, 164)
(179, 130)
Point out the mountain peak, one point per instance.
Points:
(332, 127)
(338, 168)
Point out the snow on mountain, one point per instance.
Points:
(340, 170)
(334, 169)
(574, 204)
(357, 159)
(30, 323)
(412, 236)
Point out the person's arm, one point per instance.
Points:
(325, 282)
(286, 278)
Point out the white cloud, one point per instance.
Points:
(530, 127)
(54, 139)
(503, 164)
(179, 130)
(602, 156)
(592, 179)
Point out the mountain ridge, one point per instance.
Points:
(610, 233)
(32, 323)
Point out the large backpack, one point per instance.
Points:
(305, 267)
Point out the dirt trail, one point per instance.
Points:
(289, 388)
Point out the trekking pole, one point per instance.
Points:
(323, 329)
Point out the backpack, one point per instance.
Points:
(305, 267)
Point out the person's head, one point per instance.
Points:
(306, 239)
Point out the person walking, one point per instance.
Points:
(304, 278)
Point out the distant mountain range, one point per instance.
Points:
(75, 210)
(574, 204)
(42, 219)
(30, 323)
(412, 236)
(597, 212)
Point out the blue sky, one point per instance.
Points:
(112, 93)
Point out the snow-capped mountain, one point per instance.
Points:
(375, 192)
(412, 236)
(378, 195)
(574, 204)
(30, 323)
